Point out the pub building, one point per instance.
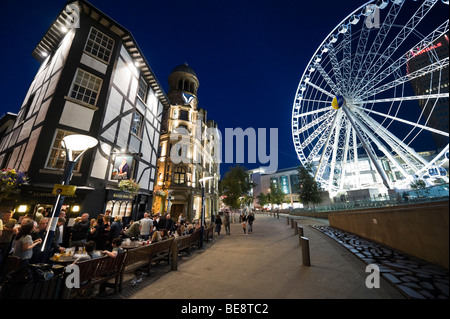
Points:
(93, 80)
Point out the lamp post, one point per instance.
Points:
(202, 216)
(72, 143)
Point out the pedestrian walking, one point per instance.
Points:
(218, 224)
(227, 223)
(244, 223)
(250, 220)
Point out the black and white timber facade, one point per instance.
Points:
(93, 80)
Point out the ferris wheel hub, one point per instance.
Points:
(337, 102)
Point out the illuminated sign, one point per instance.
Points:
(284, 184)
(419, 52)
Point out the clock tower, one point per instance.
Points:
(183, 86)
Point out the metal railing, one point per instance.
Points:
(425, 195)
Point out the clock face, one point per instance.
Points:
(188, 98)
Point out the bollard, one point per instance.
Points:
(292, 222)
(278, 215)
(295, 227)
(300, 234)
(305, 251)
(174, 256)
(287, 219)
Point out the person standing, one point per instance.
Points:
(80, 231)
(24, 244)
(250, 220)
(218, 223)
(6, 236)
(244, 223)
(227, 223)
(146, 225)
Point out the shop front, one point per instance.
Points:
(31, 198)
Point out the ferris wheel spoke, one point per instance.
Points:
(314, 122)
(357, 122)
(318, 88)
(404, 59)
(334, 150)
(325, 109)
(327, 125)
(404, 33)
(409, 98)
(407, 154)
(346, 60)
(429, 69)
(359, 56)
(380, 38)
(335, 65)
(347, 147)
(327, 78)
(316, 133)
(417, 125)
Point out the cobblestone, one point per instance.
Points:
(413, 277)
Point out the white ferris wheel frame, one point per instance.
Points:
(338, 134)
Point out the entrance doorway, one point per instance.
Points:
(176, 210)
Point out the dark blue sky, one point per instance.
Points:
(248, 55)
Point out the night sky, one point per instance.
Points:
(248, 55)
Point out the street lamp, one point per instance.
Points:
(72, 143)
(202, 217)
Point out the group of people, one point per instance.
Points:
(25, 240)
(103, 233)
(246, 220)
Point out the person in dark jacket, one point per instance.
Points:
(218, 224)
(169, 224)
(80, 231)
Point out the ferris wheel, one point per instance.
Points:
(375, 96)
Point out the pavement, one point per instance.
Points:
(266, 264)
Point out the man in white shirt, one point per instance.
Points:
(146, 225)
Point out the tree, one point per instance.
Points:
(276, 194)
(235, 185)
(263, 199)
(310, 191)
(418, 184)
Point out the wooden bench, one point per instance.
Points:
(162, 250)
(195, 238)
(184, 243)
(99, 271)
(142, 258)
(209, 233)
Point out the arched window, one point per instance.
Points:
(179, 175)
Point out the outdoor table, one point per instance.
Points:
(131, 245)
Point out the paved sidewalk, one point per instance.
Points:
(268, 265)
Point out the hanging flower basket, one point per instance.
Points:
(129, 185)
(10, 182)
(159, 192)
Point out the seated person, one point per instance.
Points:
(91, 253)
(116, 242)
(156, 236)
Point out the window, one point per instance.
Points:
(143, 88)
(85, 87)
(136, 125)
(57, 154)
(99, 45)
(184, 115)
(26, 108)
(179, 175)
